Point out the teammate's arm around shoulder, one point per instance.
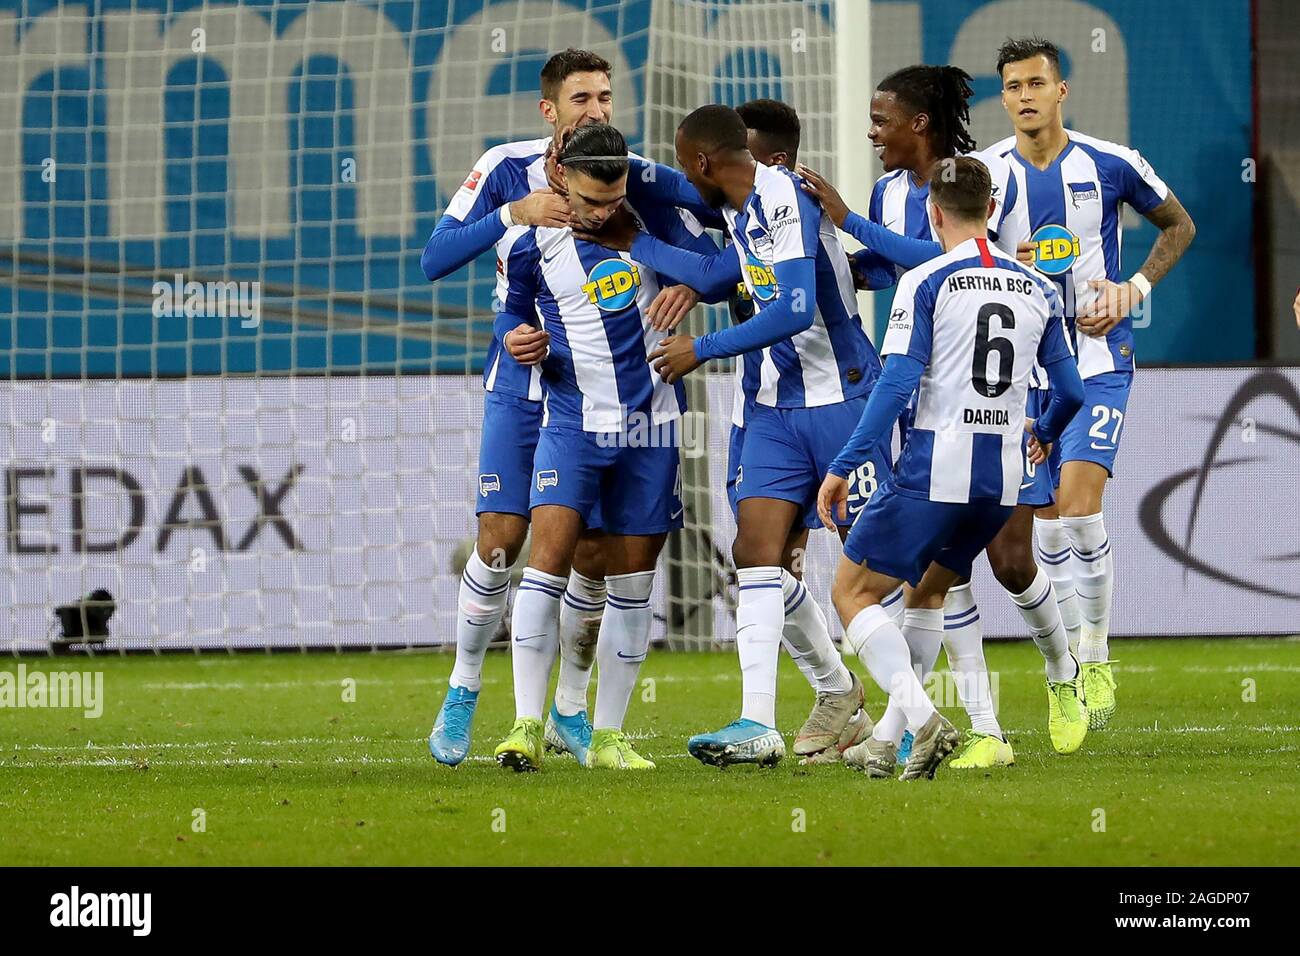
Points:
(480, 213)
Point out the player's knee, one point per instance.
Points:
(500, 539)
(1079, 507)
(589, 557)
(848, 601)
(1014, 567)
(550, 559)
(1017, 579)
(751, 551)
(924, 600)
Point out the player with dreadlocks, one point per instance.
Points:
(919, 117)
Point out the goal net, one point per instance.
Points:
(231, 399)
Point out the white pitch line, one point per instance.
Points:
(724, 678)
(1268, 729)
(400, 761)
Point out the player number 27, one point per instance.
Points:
(1104, 416)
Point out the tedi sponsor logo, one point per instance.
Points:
(134, 910)
(77, 690)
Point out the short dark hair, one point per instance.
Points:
(942, 93)
(589, 148)
(777, 121)
(567, 62)
(1026, 48)
(962, 186)
(715, 127)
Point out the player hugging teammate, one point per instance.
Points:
(1009, 357)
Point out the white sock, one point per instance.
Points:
(534, 633)
(760, 618)
(1094, 578)
(807, 637)
(923, 631)
(480, 607)
(1054, 558)
(580, 614)
(964, 640)
(624, 641)
(895, 606)
(1043, 618)
(880, 646)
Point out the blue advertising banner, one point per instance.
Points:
(311, 145)
(1170, 78)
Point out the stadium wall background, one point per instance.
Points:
(1203, 517)
(232, 170)
(247, 187)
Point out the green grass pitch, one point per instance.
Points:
(1199, 766)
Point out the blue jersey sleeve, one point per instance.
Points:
(889, 396)
(454, 243)
(472, 223)
(649, 182)
(900, 250)
(789, 314)
(877, 271)
(1067, 399)
(713, 275)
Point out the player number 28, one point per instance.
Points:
(862, 486)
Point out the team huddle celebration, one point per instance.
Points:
(987, 419)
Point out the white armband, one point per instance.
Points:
(508, 221)
(1142, 282)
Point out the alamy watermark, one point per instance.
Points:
(229, 299)
(77, 690)
(689, 432)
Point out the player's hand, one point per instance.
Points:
(1296, 306)
(832, 500)
(617, 233)
(1108, 309)
(817, 187)
(675, 357)
(670, 307)
(527, 345)
(550, 161)
(859, 277)
(542, 207)
(1037, 451)
(1025, 253)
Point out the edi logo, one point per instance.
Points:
(75, 909)
(761, 278)
(612, 284)
(1055, 249)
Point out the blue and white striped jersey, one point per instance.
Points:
(1072, 213)
(977, 320)
(593, 301)
(503, 174)
(903, 207)
(832, 360)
